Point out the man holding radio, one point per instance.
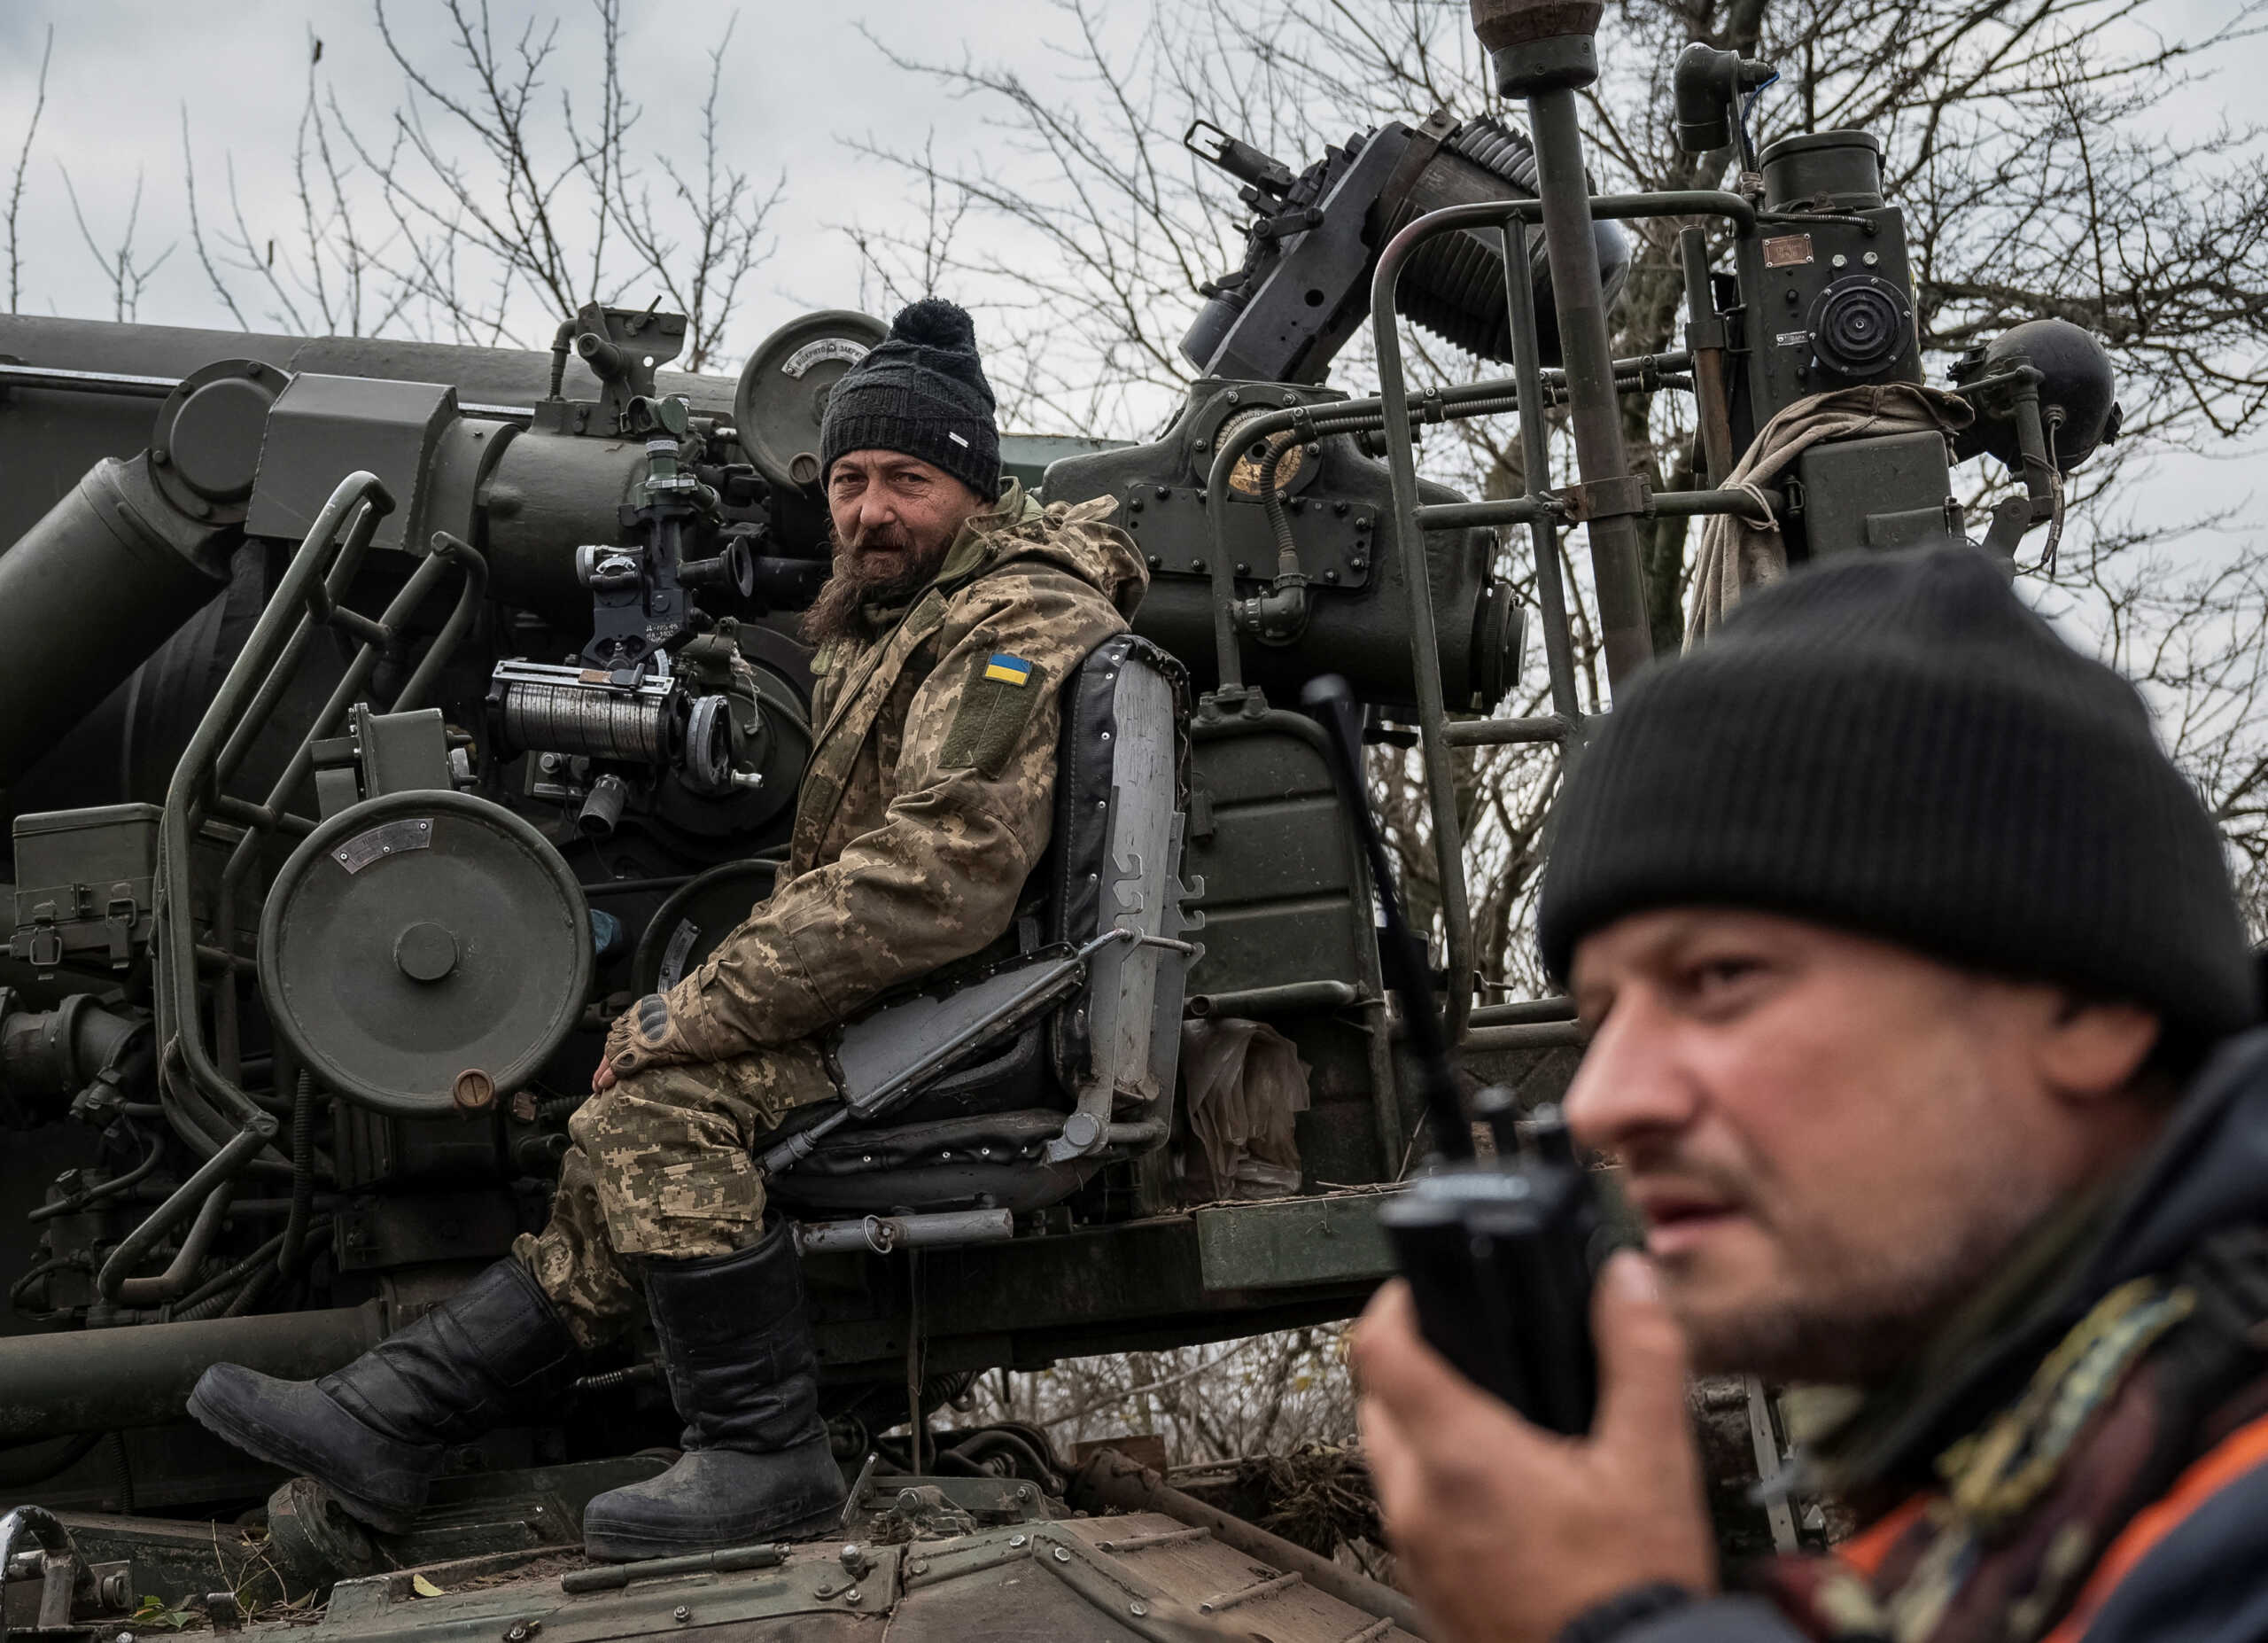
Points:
(1917, 997)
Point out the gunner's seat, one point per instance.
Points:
(1010, 1087)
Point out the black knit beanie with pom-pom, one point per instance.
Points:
(921, 391)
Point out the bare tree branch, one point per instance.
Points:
(23, 166)
(485, 207)
(2017, 141)
(129, 276)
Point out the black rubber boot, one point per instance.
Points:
(737, 1346)
(375, 1432)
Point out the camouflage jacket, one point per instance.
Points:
(928, 797)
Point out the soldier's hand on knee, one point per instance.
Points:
(639, 1038)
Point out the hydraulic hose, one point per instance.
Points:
(216, 1294)
(303, 1175)
(209, 1185)
(111, 1189)
(1280, 615)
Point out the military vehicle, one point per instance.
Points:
(378, 719)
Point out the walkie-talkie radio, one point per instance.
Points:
(1500, 1253)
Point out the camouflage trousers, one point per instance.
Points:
(661, 1166)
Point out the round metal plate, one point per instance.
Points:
(418, 937)
(209, 431)
(783, 388)
(699, 914)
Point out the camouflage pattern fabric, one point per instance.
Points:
(927, 799)
(927, 803)
(661, 1166)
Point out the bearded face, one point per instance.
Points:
(870, 578)
(893, 519)
(1833, 1141)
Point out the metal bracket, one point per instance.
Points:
(1606, 499)
(44, 950)
(1091, 1129)
(117, 923)
(1425, 143)
(2011, 519)
(1231, 702)
(65, 1578)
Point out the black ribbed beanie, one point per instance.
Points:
(1894, 743)
(920, 390)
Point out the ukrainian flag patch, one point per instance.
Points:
(1011, 670)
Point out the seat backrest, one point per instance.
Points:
(1121, 790)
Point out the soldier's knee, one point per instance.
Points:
(633, 1105)
(595, 1118)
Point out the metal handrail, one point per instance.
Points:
(208, 1108)
(1488, 397)
(377, 637)
(1539, 509)
(1524, 1012)
(1535, 467)
(1757, 504)
(1505, 732)
(277, 634)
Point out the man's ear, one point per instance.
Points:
(2095, 1047)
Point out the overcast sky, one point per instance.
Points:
(802, 79)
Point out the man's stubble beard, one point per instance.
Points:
(1860, 1314)
(839, 612)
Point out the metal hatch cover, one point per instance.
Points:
(418, 936)
(1109, 1579)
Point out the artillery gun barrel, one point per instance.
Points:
(110, 574)
(245, 442)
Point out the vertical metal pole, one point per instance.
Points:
(917, 1424)
(1704, 339)
(1589, 357)
(1227, 654)
(1417, 570)
(1386, 1091)
(1535, 462)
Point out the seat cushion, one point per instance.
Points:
(995, 1137)
(986, 1161)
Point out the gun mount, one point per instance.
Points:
(1314, 240)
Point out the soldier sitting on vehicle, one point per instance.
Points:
(948, 625)
(1900, 943)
